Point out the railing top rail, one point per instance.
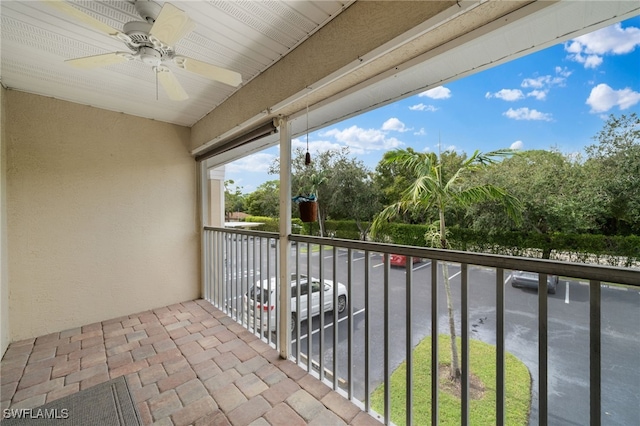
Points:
(612, 274)
(250, 232)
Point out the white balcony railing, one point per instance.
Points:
(390, 310)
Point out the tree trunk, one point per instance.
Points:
(455, 362)
(321, 220)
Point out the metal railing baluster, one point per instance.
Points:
(543, 393)
(297, 324)
(367, 333)
(321, 309)
(434, 342)
(237, 278)
(595, 336)
(387, 346)
(269, 301)
(335, 317)
(409, 341)
(350, 323)
(464, 302)
(309, 322)
(277, 297)
(500, 356)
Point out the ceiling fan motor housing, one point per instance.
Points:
(138, 33)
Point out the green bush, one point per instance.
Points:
(271, 224)
(347, 229)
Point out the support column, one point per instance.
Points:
(285, 245)
(216, 197)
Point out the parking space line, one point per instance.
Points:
(422, 265)
(455, 275)
(566, 294)
(326, 326)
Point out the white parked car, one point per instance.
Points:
(259, 299)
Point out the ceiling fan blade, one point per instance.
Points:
(83, 17)
(171, 25)
(209, 71)
(97, 61)
(170, 84)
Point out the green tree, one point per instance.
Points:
(352, 194)
(265, 200)
(614, 165)
(233, 198)
(437, 187)
(343, 186)
(555, 191)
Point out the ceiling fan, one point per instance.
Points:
(151, 41)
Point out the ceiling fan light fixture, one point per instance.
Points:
(150, 56)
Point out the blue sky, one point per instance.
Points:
(558, 99)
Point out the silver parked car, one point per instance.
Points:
(260, 299)
(527, 279)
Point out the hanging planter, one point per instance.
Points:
(308, 203)
(308, 209)
(307, 200)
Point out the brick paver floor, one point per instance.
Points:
(186, 363)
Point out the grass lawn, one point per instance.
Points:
(482, 358)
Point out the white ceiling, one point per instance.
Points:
(243, 36)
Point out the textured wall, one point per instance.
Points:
(101, 215)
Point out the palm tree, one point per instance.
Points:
(431, 189)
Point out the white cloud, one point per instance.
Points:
(421, 132)
(536, 83)
(517, 145)
(527, 114)
(508, 95)
(613, 40)
(602, 98)
(538, 87)
(361, 140)
(540, 95)
(423, 107)
(439, 92)
(563, 72)
(315, 146)
(258, 163)
(394, 124)
(444, 148)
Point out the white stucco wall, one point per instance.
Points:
(102, 215)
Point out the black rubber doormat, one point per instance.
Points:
(106, 404)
